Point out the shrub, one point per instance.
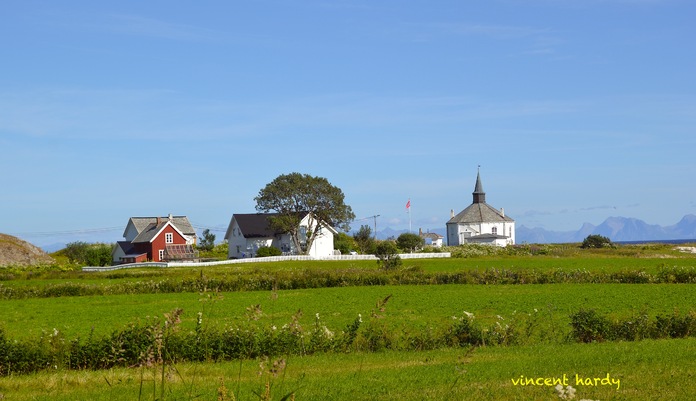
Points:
(268, 251)
(595, 241)
(344, 243)
(88, 254)
(589, 326)
(387, 253)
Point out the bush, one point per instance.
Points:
(268, 251)
(596, 241)
(387, 253)
(88, 254)
(344, 243)
(589, 326)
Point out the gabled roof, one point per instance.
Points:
(257, 225)
(182, 224)
(153, 230)
(479, 213)
(127, 248)
(433, 236)
(253, 225)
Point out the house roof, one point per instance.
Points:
(153, 230)
(486, 237)
(256, 225)
(433, 236)
(182, 223)
(128, 249)
(479, 213)
(253, 225)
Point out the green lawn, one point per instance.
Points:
(648, 369)
(410, 306)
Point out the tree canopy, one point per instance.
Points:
(294, 196)
(409, 242)
(364, 240)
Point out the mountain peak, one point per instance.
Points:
(616, 228)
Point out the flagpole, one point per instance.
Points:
(409, 216)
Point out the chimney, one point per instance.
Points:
(451, 213)
(170, 217)
(159, 220)
(502, 211)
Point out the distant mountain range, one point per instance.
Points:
(617, 229)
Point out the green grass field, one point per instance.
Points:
(410, 306)
(647, 369)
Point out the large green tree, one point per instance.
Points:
(409, 242)
(294, 196)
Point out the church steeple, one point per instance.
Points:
(479, 195)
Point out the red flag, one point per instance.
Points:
(408, 204)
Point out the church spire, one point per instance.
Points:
(479, 195)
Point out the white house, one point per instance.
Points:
(249, 232)
(431, 239)
(480, 223)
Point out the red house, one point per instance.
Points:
(158, 241)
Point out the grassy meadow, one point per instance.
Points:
(468, 327)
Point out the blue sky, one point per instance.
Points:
(576, 110)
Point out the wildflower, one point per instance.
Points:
(359, 318)
(200, 318)
(500, 317)
(328, 333)
(273, 328)
(317, 315)
(469, 315)
(565, 394)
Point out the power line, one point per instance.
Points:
(67, 232)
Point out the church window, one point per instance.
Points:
(495, 230)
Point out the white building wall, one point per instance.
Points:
(130, 232)
(240, 247)
(323, 244)
(457, 233)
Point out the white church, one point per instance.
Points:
(480, 223)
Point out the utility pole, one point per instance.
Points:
(374, 235)
(375, 217)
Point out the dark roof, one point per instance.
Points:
(487, 236)
(255, 225)
(479, 195)
(479, 213)
(126, 247)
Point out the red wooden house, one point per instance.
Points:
(159, 241)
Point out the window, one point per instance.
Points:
(495, 230)
(169, 238)
(161, 254)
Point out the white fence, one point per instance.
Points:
(264, 259)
